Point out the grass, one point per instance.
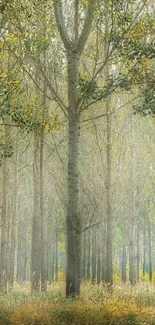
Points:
(123, 305)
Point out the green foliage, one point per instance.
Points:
(89, 89)
(147, 105)
(24, 119)
(6, 149)
(32, 118)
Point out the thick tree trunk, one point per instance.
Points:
(73, 217)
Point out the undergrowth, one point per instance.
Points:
(97, 305)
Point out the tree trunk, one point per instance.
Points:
(138, 247)
(22, 247)
(88, 256)
(132, 257)
(99, 257)
(56, 253)
(94, 255)
(83, 257)
(137, 206)
(53, 263)
(124, 252)
(73, 48)
(132, 213)
(144, 251)
(103, 250)
(50, 249)
(150, 252)
(124, 262)
(109, 221)
(35, 252)
(4, 226)
(73, 217)
(109, 266)
(13, 226)
(43, 244)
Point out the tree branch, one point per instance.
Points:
(87, 25)
(59, 17)
(76, 24)
(109, 113)
(110, 52)
(54, 93)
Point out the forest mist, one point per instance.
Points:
(77, 167)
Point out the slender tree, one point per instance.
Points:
(74, 47)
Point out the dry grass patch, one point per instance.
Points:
(97, 305)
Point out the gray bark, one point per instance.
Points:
(73, 217)
(83, 257)
(13, 225)
(94, 261)
(109, 266)
(4, 226)
(88, 255)
(56, 253)
(21, 250)
(35, 251)
(124, 248)
(99, 257)
(132, 255)
(43, 244)
(144, 251)
(150, 251)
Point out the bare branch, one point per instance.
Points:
(109, 113)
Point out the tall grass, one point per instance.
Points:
(97, 305)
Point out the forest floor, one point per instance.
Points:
(97, 305)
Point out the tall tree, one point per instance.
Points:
(4, 229)
(74, 46)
